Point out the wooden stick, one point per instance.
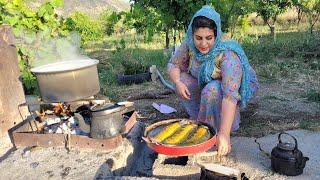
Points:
(150, 95)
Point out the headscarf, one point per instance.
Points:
(219, 46)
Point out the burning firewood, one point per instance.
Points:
(40, 116)
(62, 109)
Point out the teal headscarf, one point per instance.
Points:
(220, 46)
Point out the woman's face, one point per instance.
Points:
(203, 39)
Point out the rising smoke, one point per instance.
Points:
(43, 50)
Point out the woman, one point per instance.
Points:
(212, 77)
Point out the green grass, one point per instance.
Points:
(310, 125)
(114, 59)
(272, 59)
(313, 95)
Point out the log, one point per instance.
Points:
(150, 95)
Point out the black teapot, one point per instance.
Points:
(287, 159)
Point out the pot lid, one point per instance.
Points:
(286, 146)
(66, 65)
(106, 108)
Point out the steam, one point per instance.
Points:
(43, 50)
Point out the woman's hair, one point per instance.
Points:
(204, 22)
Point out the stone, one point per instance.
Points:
(13, 108)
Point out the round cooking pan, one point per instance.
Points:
(177, 150)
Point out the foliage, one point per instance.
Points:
(270, 9)
(163, 16)
(312, 8)
(119, 45)
(21, 18)
(145, 20)
(231, 10)
(27, 24)
(89, 29)
(288, 45)
(142, 57)
(29, 81)
(133, 66)
(272, 60)
(284, 58)
(110, 20)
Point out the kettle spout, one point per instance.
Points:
(303, 162)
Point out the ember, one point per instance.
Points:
(61, 119)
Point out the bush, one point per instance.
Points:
(133, 66)
(88, 28)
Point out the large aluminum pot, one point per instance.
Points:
(68, 81)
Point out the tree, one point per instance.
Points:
(30, 27)
(231, 10)
(269, 10)
(312, 9)
(175, 15)
(145, 20)
(170, 15)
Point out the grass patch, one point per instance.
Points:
(310, 125)
(133, 57)
(313, 95)
(272, 60)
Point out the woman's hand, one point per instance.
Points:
(182, 90)
(223, 142)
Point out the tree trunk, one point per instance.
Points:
(272, 28)
(174, 36)
(12, 99)
(313, 22)
(167, 38)
(299, 15)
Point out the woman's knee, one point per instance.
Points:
(212, 91)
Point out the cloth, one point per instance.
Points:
(220, 46)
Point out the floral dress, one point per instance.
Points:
(205, 104)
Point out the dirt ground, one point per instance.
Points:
(278, 106)
(58, 163)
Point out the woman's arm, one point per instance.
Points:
(174, 74)
(227, 116)
(181, 88)
(231, 74)
(178, 63)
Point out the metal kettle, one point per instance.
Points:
(286, 158)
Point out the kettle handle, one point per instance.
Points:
(295, 140)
